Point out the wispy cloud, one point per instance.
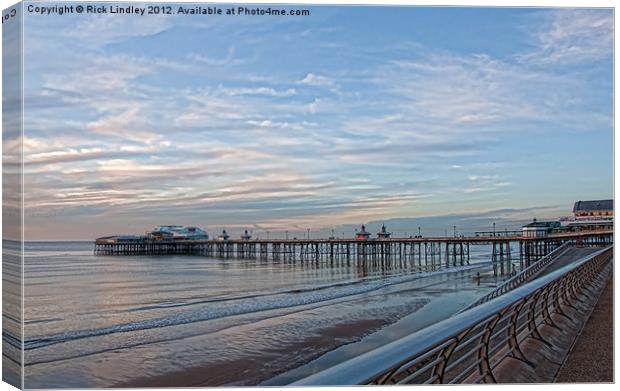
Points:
(485, 183)
(103, 29)
(571, 36)
(229, 60)
(315, 80)
(282, 125)
(459, 92)
(259, 91)
(320, 81)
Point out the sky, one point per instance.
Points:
(347, 116)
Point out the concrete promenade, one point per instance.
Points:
(592, 358)
(561, 353)
(568, 257)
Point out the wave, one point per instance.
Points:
(242, 306)
(165, 305)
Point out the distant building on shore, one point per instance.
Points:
(595, 215)
(594, 209)
(592, 216)
(383, 234)
(362, 234)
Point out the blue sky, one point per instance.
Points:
(349, 115)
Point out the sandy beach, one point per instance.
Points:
(260, 367)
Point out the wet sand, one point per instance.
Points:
(254, 369)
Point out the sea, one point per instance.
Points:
(106, 321)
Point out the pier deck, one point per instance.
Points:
(507, 251)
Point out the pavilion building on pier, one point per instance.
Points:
(223, 236)
(362, 234)
(383, 234)
(176, 232)
(540, 229)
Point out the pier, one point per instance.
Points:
(430, 252)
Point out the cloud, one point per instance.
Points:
(320, 81)
(100, 30)
(229, 60)
(206, 109)
(282, 125)
(259, 91)
(572, 36)
(485, 183)
(132, 123)
(314, 106)
(443, 96)
(466, 90)
(312, 79)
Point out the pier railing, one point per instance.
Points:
(522, 277)
(468, 347)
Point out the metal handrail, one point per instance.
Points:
(519, 279)
(493, 330)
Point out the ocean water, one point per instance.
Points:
(105, 321)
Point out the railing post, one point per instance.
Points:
(531, 318)
(445, 353)
(513, 342)
(484, 365)
(547, 319)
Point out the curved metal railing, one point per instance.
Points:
(524, 276)
(469, 346)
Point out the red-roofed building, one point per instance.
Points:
(362, 234)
